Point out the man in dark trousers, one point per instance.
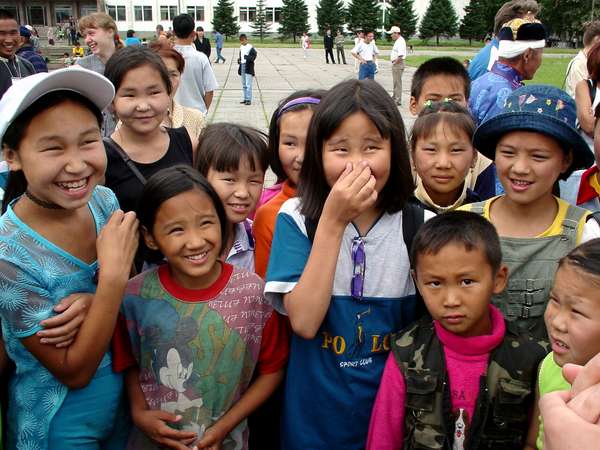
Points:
(328, 42)
(202, 43)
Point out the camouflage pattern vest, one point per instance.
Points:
(532, 263)
(506, 392)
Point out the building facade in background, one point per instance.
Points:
(144, 15)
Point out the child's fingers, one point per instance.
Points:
(362, 178)
(59, 339)
(63, 330)
(587, 404)
(366, 191)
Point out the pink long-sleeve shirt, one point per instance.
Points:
(466, 361)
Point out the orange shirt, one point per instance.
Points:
(264, 227)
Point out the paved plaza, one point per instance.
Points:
(281, 71)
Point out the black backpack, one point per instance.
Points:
(413, 217)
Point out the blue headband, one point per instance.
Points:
(298, 101)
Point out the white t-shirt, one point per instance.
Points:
(244, 50)
(399, 49)
(366, 51)
(197, 78)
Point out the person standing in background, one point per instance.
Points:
(397, 57)
(360, 36)
(132, 39)
(577, 68)
(27, 51)
(328, 43)
(13, 67)
(218, 46)
(201, 42)
(305, 42)
(366, 53)
(339, 46)
(246, 68)
(50, 35)
(198, 80)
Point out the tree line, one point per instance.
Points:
(562, 18)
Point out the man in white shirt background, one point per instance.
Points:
(198, 80)
(366, 53)
(397, 57)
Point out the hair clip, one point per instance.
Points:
(296, 102)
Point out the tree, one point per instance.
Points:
(402, 14)
(224, 20)
(473, 25)
(440, 20)
(260, 23)
(363, 15)
(330, 14)
(565, 18)
(294, 18)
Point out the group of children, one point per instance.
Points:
(132, 298)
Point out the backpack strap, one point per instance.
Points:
(126, 159)
(413, 217)
(592, 88)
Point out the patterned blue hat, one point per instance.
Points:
(539, 108)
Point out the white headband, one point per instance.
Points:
(510, 49)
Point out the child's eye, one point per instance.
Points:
(175, 230)
(289, 144)
(467, 282)
(539, 157)
(458, 150)
(433, 284)
(507, 152)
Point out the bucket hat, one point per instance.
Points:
(542, 109)
(26, 91)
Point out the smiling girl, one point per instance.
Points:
(141, 146)
(534, 143)
(61, 234)
(234, 158)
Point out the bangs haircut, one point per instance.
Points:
(224, 145)
(164, 50)
(168, 183)
(586, 258)
(443, 65)
(134, 57)
(471, 230)
(343, 100)
(456, 117)
(275, 133)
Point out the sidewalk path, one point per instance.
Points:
(281, 71)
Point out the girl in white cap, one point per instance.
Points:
(61, 234)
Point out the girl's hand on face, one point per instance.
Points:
(116, 246)
(352, 194)
(61, 329)
(153, 423)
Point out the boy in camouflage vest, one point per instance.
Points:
(466, 379)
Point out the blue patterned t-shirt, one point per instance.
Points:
(35, 275)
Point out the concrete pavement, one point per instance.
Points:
(281, 71)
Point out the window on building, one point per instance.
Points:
(197, 12)
(142, 13)
(273, 14)
(116, 12)
(168, 12)
(36, 15)
(62, 13)
(247, 13)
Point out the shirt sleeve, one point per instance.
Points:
(591, 230)
(263, 236)
(275, 344)
(122, 353)
(208, 77)
(386, 429)
(356, 49)
(402, 48)
(24, 301)
(289, 253)
(375, 49)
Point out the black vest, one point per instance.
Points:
(506, 392)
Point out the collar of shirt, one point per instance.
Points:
(508, 73)
(587, 191)
(242, 240)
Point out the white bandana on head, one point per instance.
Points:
(510, 49)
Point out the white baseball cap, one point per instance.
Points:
(23, 93)
(394, 29)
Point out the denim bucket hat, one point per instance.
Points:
(538, 108)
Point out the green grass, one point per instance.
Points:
(552, 70)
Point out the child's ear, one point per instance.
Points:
(412, 106)
(501, 279)
(567, 161)
(149, 239)
(12, 158)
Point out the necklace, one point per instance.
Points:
(42, 203)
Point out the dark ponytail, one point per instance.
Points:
(17, 183)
